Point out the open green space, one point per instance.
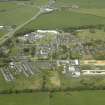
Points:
(83, 3)
(56, 98)
(90, 11)
(15, 13)
(64, 19)
(78, 98)
(21, 82)
(86, 35)
(40, 98)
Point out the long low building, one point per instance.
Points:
(93, 72)
(47, 31)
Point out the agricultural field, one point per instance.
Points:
(13, 13)
(82, 3)
(38, 98)
(77, 13)
(56, 98)
(78, 98)
(63, 19)
(17, 12)
(93, 11)
(21, 82)
(86, 35)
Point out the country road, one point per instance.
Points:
(11, 33)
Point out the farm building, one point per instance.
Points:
(47, 31)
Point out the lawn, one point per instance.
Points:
(64, 19)
(39, 98)
(56, 98)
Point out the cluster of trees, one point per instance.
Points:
(89, 83)
(91, 27)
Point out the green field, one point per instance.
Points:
(57, 98)
(64, 19)
(40, 98)
(13, 13)
(21, 82)
(78, 98)
(83, 3)
(17, 12)
(86, 35)
(91, 11)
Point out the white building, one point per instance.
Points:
(48, 9)
(47, 31)
(1, 27)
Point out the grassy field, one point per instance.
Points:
(78, 98)
(83, 3)
(21, 82)
(91, 11)
(13, 13)
(57, 98)
(64, 19)
(40, 98)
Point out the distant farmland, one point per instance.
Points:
(83, 3)
(15, 13)
(78, 98)
(64, 19)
